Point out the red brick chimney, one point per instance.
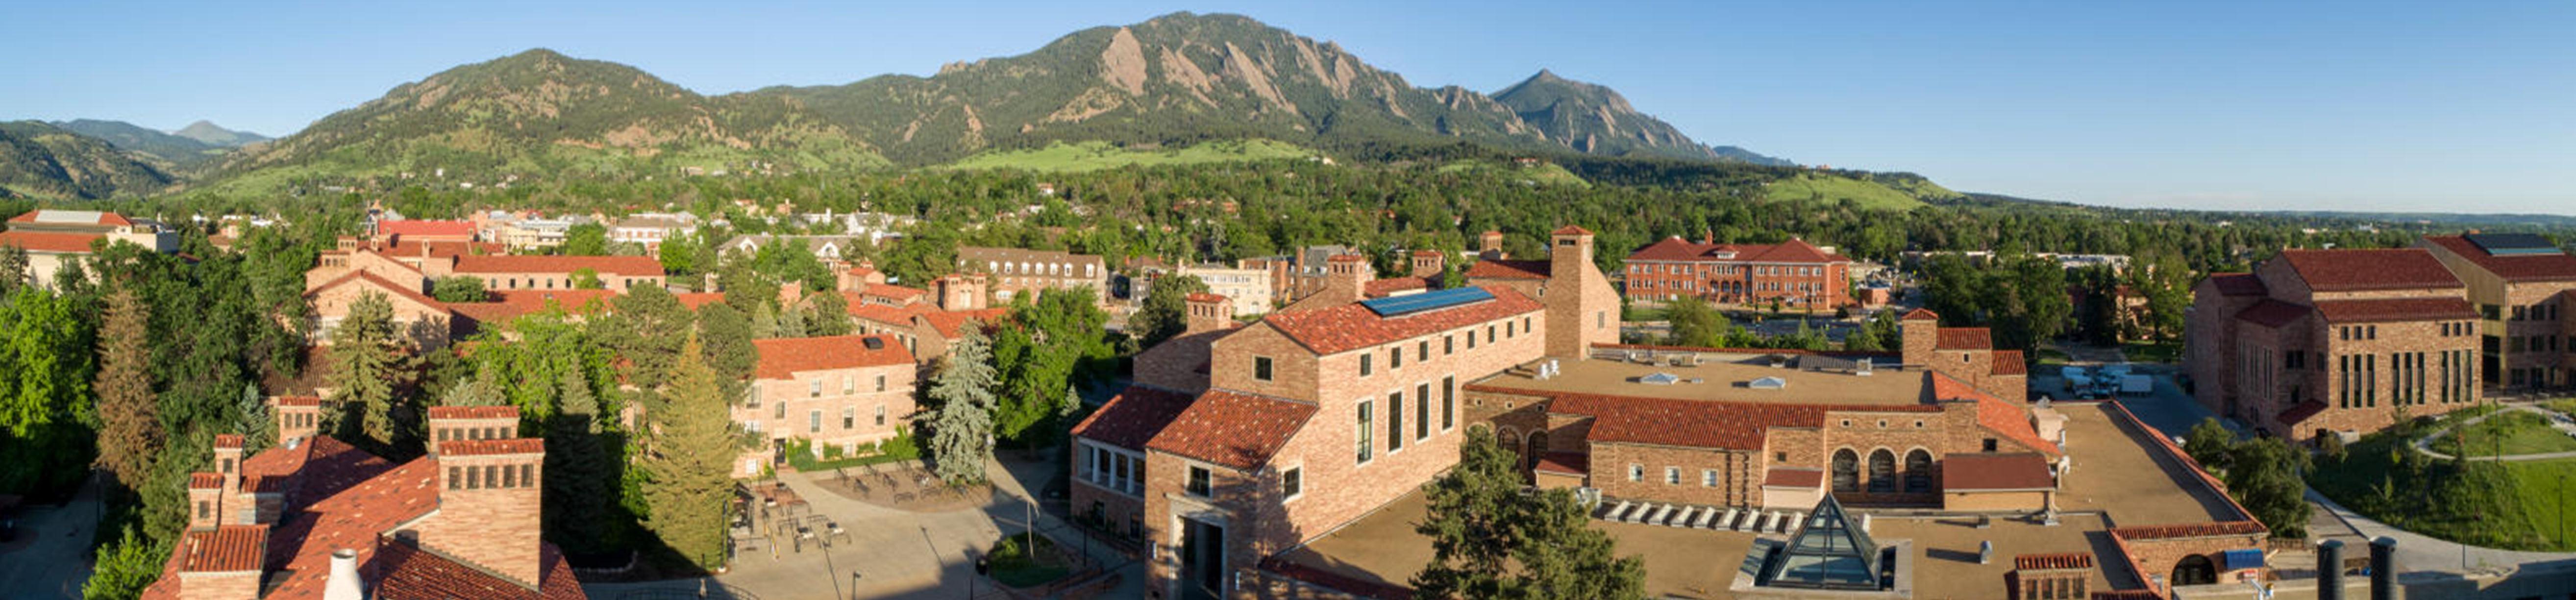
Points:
(205, 500)
(789, 293)
(1209, 312)
(1490, 246)
(959, 292)
(1428, 263)
(1345, 278)
(228, 458)
(296, 417)
(490, 493)
(222, 562)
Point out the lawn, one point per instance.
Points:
(2562, 405)
(1026, 560)
(2546, 485)
(1831, 189)
(2152, 352)
(2508, 434)
(2509, 505)
(1093, 156)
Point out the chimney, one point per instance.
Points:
(1345, 276)
(1922, 331)
(228, 457)
(1428, 263)
(959, 292)
(464, 423)
(205, 500)
(789, 293)
(296, 417)
(1708, 237)
(223, 563)
(1569, 251)
(490, 493)
(344, 583)
(1490, 246)
(1209, 312)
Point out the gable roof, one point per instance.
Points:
(369, 278)
(952, 323)
(1336, 329)
(1571, 230)
(2239, 284)
(1995, 472)
(414, 572)
(1964, 338)
(1509, 269)
(638, 266)
(72, 217)
(2376, 269)
(225, 549)
(2009, 362)
(46, 241)
(1677, 249)
(2006, 419)
(2513, 267)
(2272, 313)
(783, 358)
(1233, 429)
(1387, 287)
(2395, 309)
(1133, 417)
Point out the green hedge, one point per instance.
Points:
(901, 447)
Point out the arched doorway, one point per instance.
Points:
(1918, 471)
(1537, 447)
(1882, 471)
(2194, 570)
(1511, 441)
(1846, 471)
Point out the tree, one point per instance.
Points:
(646, 328)
(586, 278)
(1039, 352)
(13, 268)
(580, 477)
(458, 288)
(689, 461)
(827, 314)
(44, 360)
(2263, 475)
(473, 391)
(129, 414)
(365, 372)
(125, 567)
(1694, 323)
(679, 256)
(1481, 525)
(961, 436)
(586, 239)
(2210, 443)
(1165, 312)
(726, 337)
(257, 429)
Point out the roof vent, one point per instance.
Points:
(1768, 383)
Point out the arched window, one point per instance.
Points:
(1537, 447)
(2194, 570)
(1918, 471)
(1882, 471)
(1846, 471)
(1512, 441)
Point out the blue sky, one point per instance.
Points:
(2452, 107)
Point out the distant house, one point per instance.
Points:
(55, 237)
(1014, 270)
(650, 229)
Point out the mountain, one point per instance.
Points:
(1591, 118)
(208, 133)
(539, 112)
(178, 151)
(39, 160)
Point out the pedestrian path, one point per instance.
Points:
(2419, 552)
(2557, 421)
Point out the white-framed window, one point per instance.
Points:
(814, 421)
(1636, 472)
(1292, 483)
(848, 386)
(1395, 420)
(849, 417)
(1708, 477)
(1672, 475)
(814, 389)
(880, 415)
(1367, 432)
(881, 383)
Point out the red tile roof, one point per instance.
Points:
(473, 412)
(891, 291)
(205, 481)
(698, 300)
(228, 440)
(381, 284)
(2301, 412)
(2009, 362)
(952, 323)
(416, 248)
(1387, 287)
(898, 316)
(783, 358)
(637, 266)
(426, 228)
(492, 447)
(2007, 419)
(1676, 249)
(412, 572)
(42, 241)
(1203, 297)
(2273, 313)
(2361, 270)
(1920, 314)
(1346, 258)
(2189, 530)
(2533, 267)
(104, 218)
(226, 549)
(1570, 230)
(302, 542)
(317, 468)
(2395, 309)
(1133, 417)
(1796, 478)
(1509, 269)
(1964, 338)
(1991, 472)
(2239, 284)
(1570, 463)
(2052, 562)
(299, 401)
(1694, 423)
(1233, 429)
(1337, 329)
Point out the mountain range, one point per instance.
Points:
(1178, 79)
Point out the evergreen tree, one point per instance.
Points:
(1039, 353)
(646, 328)
(587, 279)
(478, 390)
(2211, 444)
(1165, 312)
(726, 337)
(257, 428)
(458, 288)
(586, 239)
(125, 567)
(365, 371)
(13, 268)
(828, 314)
(962, 423)
(129, 413)
(1482, 525)
(579, 478)
(688, 464)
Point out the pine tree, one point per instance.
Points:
(689, 461)
(257, 429)
(129, 413)
(578, 476)
(962, 425)
(828, 315)
(726, 335)
(473, 391)
(13, 268)
(364, 372)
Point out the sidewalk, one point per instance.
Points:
(2417, 552)
(2557, 421)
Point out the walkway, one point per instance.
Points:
(51, 556)
(2557, 421)
(2418, 552)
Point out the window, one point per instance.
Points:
(1367, 445)
(780, 413)
(1636, 472)
(1448, 403)
(1508, 331)
(813, 421)
(1708, 477)
(1292, 482)
(1471, 339)
(1525, 324)
(1365, 368)
(1448, 345)
(1395, 357)
(1422, 411)
(1918, 471)
(847, 388)
(881, 383)
(1394, 422)
(1990, 444)
(1882, 471)
(1199, 484)
(1261, 368)
(1422, 351)
(849, 417)
(814, 389)
(1672, 475)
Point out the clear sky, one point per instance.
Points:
(2448, 106)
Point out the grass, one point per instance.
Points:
(2563, 405)
(2507, 434)
(1543, 173)
(2545, 485)
(2052, 356)
(1093, 156)
(1831, 189)
(2152, 352)
(1018, 562)
(2492, 504)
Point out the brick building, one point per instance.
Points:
(1795, 273)
(1013, 270)
(53, 238)
(314, 517)
(2522, 286)
(1240, 442)
(841, 391)
(925, 321)
(2316, 341)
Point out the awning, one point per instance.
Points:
(2244, 559)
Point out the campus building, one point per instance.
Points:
(53, 238)
(1013, 270)
(2335, 341)
(316, 518)
(838, 392)
(1239, 442)
(2522, 286)
(1794, 273)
